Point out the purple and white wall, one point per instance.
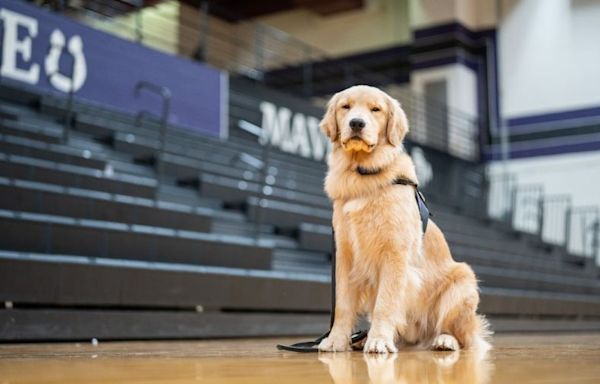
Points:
(52, 53)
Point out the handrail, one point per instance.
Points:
(69, 113)
(165, 95)
(552, 218)
(164, 92)
(69, 110)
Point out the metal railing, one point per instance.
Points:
(500, 201)
(68, 118)
(165, 95)
(280, 60)
(582, 231)
(527, 212)
(552, 218)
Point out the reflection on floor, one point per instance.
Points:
(539, 358)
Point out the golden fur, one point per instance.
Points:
(407, 284)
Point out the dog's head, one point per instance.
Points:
(360, 118)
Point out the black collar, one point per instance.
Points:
(375, 171)
(367, 171)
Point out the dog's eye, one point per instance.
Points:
(375, 109)
(346, 106)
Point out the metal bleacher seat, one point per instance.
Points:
(75, 176)
(21, 146)
(29, 196)
(24, 231)
(31, 130)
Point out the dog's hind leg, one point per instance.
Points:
(455, 309)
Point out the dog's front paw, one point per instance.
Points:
(335, 343)
(445, 342)
(380, 345)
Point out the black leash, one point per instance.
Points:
(312, 346)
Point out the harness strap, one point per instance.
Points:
(424, 212)
(423, 209)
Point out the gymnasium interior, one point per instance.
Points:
(162, 213)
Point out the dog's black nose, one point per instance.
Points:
(357, 125)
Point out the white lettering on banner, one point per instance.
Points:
(275, 124)
(292, 133)
(13, 48)
(422, 166)
(299, 139)
(75, 47)
(320, 144)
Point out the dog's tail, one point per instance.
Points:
(483, 336)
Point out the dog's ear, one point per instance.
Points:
(329, 123)
(397, 124)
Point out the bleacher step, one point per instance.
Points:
(31, 232)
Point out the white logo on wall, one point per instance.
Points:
(422, 166)
(18, 47)
(291, 132)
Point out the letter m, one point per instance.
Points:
(275, 124)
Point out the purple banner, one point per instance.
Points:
(43, 49)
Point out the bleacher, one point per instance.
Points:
(98, 240)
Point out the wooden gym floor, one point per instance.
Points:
(531, 358)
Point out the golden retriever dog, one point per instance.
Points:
(405, 281)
